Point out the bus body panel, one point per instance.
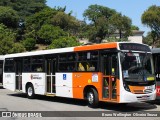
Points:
(9, 81)
(37, 80)
(83, 79)
(64, 85)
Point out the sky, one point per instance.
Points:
(130, 8)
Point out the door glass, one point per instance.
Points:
(50, 70)
(106, 71)
(114, 73)
(110, 72)
(19, 75)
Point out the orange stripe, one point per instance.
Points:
(96, 46)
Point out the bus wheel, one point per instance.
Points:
(92, 97)
(30, 92)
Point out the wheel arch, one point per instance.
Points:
(86, 89)
(28, 83)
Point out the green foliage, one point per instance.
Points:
(25, 7)
(17, 48)
(96, 11)
(151, 39)
(7, 38)
(29, 43)
(40, 18)
(151, 18)
(65, 22)
(133, 27)
(48, 32)
(35, 22)
(8, 17)
(121, 23)
(106, 22)
(63, 42)
(113, 39)
(148, 39)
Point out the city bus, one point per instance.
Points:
(117, 72)
(156, 59)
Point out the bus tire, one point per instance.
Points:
(30, 91)
(92, 98)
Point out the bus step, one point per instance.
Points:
(51, 94)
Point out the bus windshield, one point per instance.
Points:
(137, 66)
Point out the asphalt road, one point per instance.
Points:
(10, 101)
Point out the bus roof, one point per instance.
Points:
(96, 46)
(40, 52)
(63, 50)
(155, 50)
(109, 45)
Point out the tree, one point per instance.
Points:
(99, 17)
(8, 17)
(66, 22)
(151, 18)
(106, 22)
(17, 48)
(151, 39)
(29, 43)
(36, 21)
(133, 27)
(24, 7)
(96, 11)
(7, 41)
(121, 23)
(63, 42)
(48, 32)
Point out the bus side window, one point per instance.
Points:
(37, 64)
(67, 62)
(87, 61)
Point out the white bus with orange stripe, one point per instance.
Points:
(117, 72)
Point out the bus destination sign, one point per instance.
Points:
(134, 46)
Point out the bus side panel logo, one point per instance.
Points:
(64, 77)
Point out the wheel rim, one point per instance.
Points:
(30, 91)
(90, 98)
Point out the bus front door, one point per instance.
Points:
(109, 69)
(18, 74)
(50, 75)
